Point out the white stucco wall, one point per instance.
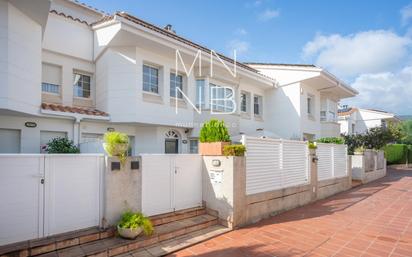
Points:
(30, 137)
(20, 61)
(68, 37)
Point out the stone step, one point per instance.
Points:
(56, 242)
(176, 215)
(116, 245)
(178, 243)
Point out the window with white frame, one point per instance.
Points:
(310, 105)
(221, 98)
(176, 81)
(51, 78)
(244, 102)
(150, 79)
(257, 105)
(200, 93)
(81, 85)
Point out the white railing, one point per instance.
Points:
(273, 164)
(332, 161)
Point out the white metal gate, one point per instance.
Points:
(171, 182)
(42, 195)
(273, 164)
(332, 160)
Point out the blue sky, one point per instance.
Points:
(365, 43)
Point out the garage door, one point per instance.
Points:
(10, 141)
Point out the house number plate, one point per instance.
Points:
(216, 176)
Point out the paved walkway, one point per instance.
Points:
(370, 220)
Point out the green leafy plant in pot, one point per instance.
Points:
(132, 224)
(116, 144)
(214, 135)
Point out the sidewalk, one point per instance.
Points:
(370, 220)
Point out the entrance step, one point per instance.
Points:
(356, 183)
(96, 242)
(178, 243)
(177, 215)
(57, 242)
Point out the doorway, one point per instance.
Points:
(171, 142)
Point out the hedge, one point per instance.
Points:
(396, 153)
(409, 153)
(331, 140)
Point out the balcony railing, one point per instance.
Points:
(328, 116)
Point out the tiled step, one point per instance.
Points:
(57, 242)
(356, 183)
(177, 215)
(116, 245)
(178, 243)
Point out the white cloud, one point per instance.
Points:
(240, 46)
(406, 14)
(268, 14)
(365, 52)
(240, 32)
(390, 91)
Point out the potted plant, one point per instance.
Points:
(131, 224)
(116, 144)
(213, 137)
(359, 150)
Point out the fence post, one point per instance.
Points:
(313, 169)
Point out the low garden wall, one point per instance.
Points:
(369, 166)
(227, 193)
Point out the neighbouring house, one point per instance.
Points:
(306, 100)
(74, 71)
(357, 121)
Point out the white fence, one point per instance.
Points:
(171, 182)
(275, 163)
(42, 195)
(332, 161)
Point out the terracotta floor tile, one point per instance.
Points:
(371, 220)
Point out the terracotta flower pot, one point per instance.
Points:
(215, 148)
(129, 233)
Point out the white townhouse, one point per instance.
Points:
(357, 121)
(306, 98)
(70, 70)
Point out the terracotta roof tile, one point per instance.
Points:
(80, 110)
(176, 37)
(69, 17)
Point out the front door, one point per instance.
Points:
(171, 145)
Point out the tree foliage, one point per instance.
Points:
(374, 138)
(406, 129)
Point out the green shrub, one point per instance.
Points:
(331, 140)
(61, 145)
(135, 220)
(409, 153)
(396, 153)
(214, 131)
(116, 144)
(234, 150)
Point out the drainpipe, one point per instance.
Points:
(76, 131)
